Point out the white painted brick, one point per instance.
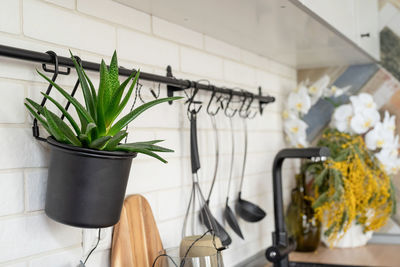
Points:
(254, 60)
(68, 258)
(284, 70)
(151, 174)
(12, 193)
(19, 42)
(177, 33)
(176, 199)
(239, 73)
(171, 238)
(10, 16)
(116, 13)
(64, 3)
(194, 61)
(36, 182)
(221, 48)
(146, 49)
(20, 149)
(25, 236)
(70, 30)
(99, 258)
(268, 81)
(11, 102)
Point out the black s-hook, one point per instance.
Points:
(209, 111)
(227, 106)
(35, 127)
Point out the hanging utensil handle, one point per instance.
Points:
(214, 124)
(245, 155)
(194, 150)
(232, 159)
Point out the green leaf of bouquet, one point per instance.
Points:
(114, 141)
(113, 109)
(84, 115)
(38, 117)
(319, 179)
(125, 147)
(99, 143)
(54, 129)
(329, 231)
(136, 112)
(87, 94)
(320, 200)
(64, 112)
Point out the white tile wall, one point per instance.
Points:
(177, 33)
(153, 51)
(11, 192)
(12, 97)
(35, 189)
(70, 30)
(116, 13)
(28, 237)
(10, 16)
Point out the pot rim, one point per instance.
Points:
(88, 151)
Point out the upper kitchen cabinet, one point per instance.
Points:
(291, 32)
(356, 19)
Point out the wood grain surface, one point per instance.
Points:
(136, 240)
(369, 255)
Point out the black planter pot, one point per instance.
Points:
(86, 187)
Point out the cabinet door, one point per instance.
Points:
(338, 13)
(368, 26)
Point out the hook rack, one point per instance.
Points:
(173, 84)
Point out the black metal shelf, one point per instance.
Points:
(173, 83)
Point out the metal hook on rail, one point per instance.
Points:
(227, 106)
(213, 113)
(35, 127)
(248, 112)
(241, 109)
(191, 102)
(78, 59)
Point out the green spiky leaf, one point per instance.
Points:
(99, 143)
(114, 141)
(64, 112)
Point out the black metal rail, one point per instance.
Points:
(174, 84)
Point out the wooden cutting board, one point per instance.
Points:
(136, 240)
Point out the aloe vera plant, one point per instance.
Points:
(99, 128)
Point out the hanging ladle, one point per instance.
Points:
(212, 222)
(248, 211)
(228, 213)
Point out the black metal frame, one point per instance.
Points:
(172, 83)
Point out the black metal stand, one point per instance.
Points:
(282, 246)
(172, 83)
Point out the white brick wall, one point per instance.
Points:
(93, 29)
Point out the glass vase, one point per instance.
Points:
(300, 221)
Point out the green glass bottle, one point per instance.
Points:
(300, 221)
